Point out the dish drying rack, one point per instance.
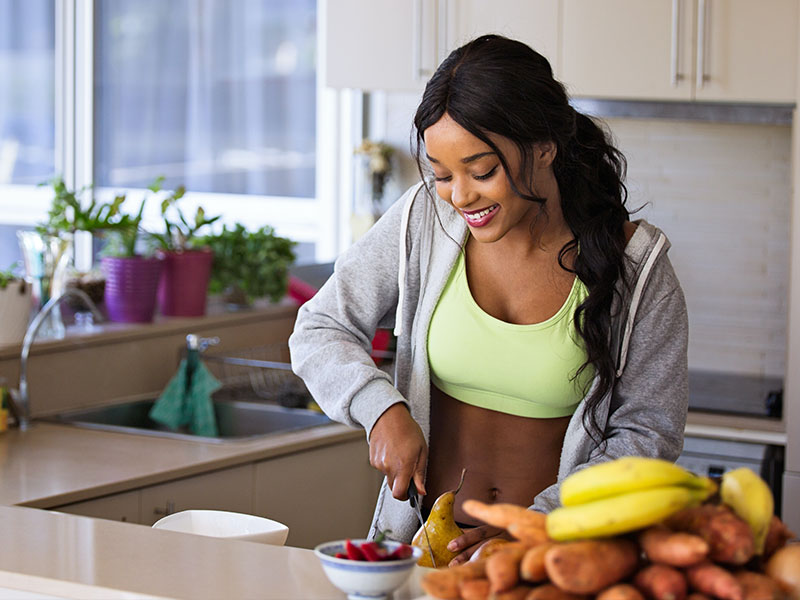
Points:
(258, 374)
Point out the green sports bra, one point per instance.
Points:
(524, 370)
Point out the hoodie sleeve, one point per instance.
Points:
(331, 343)
(649, 401)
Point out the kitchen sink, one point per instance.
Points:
(236, 420)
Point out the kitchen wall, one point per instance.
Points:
(722, 193)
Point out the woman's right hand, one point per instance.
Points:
(397, 448)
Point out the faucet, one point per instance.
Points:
(23, 404)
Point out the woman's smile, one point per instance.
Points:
(481, 217)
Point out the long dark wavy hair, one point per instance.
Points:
(494, 85)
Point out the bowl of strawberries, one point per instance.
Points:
(367, 568)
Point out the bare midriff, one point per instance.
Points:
(508, 458)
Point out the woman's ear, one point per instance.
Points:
(544, 154)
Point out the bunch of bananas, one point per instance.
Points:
(624, 495)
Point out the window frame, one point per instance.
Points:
(316, 220)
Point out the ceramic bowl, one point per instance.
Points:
(362, 580)
(223, 524)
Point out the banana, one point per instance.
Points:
(627, 474)
(621, 513)
(749, 497)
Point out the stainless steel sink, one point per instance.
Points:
(235, 420)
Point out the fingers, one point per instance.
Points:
(470, 541)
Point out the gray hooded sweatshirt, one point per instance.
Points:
(393, 277)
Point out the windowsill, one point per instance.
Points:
(110, 332)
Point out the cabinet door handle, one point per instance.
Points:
(419, 72)
(702, 23)
(675, 75)
(165, 511)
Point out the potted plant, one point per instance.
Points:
(131, 278)
(183, 287)
(249, 265)
(15, 306)
(69, 217)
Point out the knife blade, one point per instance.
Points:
(413, 500)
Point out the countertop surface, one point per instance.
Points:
(54, 555)
(50, 465)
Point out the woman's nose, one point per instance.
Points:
(461, 196)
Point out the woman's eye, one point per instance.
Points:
(442, 179)
(487, 175)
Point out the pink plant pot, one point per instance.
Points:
(131, 286)
(183, 288)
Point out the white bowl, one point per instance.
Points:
(223, 524)
(362, 580)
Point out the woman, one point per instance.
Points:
(538, 329)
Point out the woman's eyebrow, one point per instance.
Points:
(466, 159)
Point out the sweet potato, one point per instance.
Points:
(532, 566)
(777, 536)
(661, 582)
(620, 591)
(674, 548)
(757, 586)
(589, 566)
(548, 591)
(502, 567)
(488, 548)
(474, 589)
(528, 533)
(697, 596)
(730, 538)
(502, 514)
(519, 592)
(712, 580)
(444, 582)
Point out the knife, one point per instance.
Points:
(413, 500)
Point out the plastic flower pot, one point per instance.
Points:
(15, 310)
(183, 287)
(131, 287)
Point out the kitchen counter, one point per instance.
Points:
(53, 555)
(50, 465)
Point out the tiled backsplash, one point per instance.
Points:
(722, 194)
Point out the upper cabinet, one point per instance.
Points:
(710, 50)
(396, 46)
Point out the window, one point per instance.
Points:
(219, 96)
(27, 128)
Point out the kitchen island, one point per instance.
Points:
(53, 555)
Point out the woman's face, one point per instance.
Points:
(471, 178)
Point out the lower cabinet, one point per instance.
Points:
(116, 507)
(322, 494)
(227, 489)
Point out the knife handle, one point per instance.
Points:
(413, 494)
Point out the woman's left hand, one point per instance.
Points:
(472, 539)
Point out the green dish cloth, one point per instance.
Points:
(186, 401)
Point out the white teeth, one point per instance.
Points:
(479, 215)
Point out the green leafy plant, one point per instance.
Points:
(125, 234)
(9, 275)
(254, 264)
(179, 233)
(69, 213)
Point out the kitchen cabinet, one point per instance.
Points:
(125, 506)
(323, 494)
(396, 46)
(706, 50)
(226, 489)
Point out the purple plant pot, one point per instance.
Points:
(183, 288)
(131, 286)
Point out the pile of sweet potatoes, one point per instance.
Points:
(699, 553)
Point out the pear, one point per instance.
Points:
(441, 528)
